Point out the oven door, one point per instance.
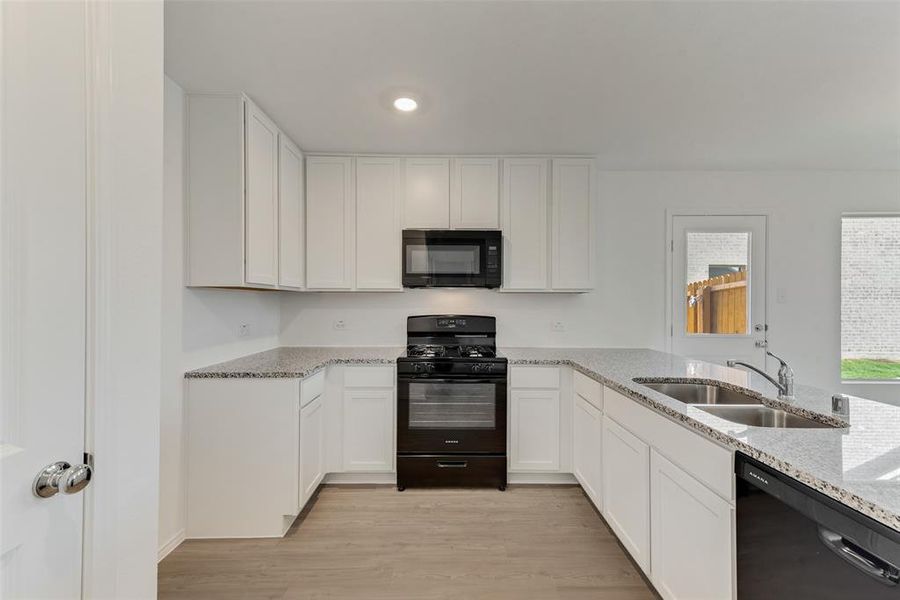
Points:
(451, 416)
(450, 259)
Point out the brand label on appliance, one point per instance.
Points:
(757, 477)
(451, 441)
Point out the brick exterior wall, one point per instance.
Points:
(704, 249)
(870, 288)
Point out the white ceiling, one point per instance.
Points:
(658, 85)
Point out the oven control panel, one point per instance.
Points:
(451, 323)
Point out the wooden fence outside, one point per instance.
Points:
(718, 305)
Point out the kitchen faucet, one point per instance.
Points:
(785, 383)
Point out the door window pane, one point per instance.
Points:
(452, 405)
(870, 298)
(716, 298)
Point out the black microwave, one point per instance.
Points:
(451, 258)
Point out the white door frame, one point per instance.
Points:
(124, 302)
(670, 240)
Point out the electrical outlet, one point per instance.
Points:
(244, 330)
(558, 326)
(340, 324)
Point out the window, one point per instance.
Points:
(716, 285)
(870, 298)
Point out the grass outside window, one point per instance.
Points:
(870, 369)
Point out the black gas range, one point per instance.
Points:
(451, 404)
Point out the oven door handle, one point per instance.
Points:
(498, 380)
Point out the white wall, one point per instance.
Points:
(628, 308)
(200, 327)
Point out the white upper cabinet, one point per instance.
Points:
(378, 223)
(330, 220)
(572, 247)
(237, 194)
(524, 213)
(475, 193)
(261, 212)
(426, 194)
(291, 216)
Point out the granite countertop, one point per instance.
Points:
(857, 465)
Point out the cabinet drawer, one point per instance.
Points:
(534, 377)
(369, 377)
(705, 460)
(589, 389)
(312, 387)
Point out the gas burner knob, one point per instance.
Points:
(429, 367)
(417, 367)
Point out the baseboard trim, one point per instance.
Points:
(360, 478)
(173, 543)
(541, 478)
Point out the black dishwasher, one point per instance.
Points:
(795, 542)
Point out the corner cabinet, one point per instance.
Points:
(233, 191)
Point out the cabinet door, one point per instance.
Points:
(685, 513)
(524, 222)
(369, 430)
(475, 194)
(291, 216)
(587, 434)
(311, 448)
(626, 490)
(378, 223)
(534, 431)
(572, 261)
(329, 223)
(426, 194)
(261, 203)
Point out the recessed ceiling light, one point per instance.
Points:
(405, 104)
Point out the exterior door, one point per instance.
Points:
(42, 293)
(718, 294)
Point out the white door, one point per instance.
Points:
(369, 430)
(475, 193)
(534, 430)
(718, 294)
(261, 208)
(626, 490)
(426, 193)
(572, 246)
(42, 293)
(329, 222)
(686, 514)
(378, 223)
(523, 218)
(291, 216)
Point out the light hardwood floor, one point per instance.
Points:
(376, 543)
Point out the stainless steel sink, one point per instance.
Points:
(763, 416)
(700, 393)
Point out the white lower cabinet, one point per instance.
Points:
(312, 436)
(588, 448)
(534, 431)
(368, 424)
(626, 489)
(691, 532)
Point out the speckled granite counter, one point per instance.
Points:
(294, 361)
(857, 465)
